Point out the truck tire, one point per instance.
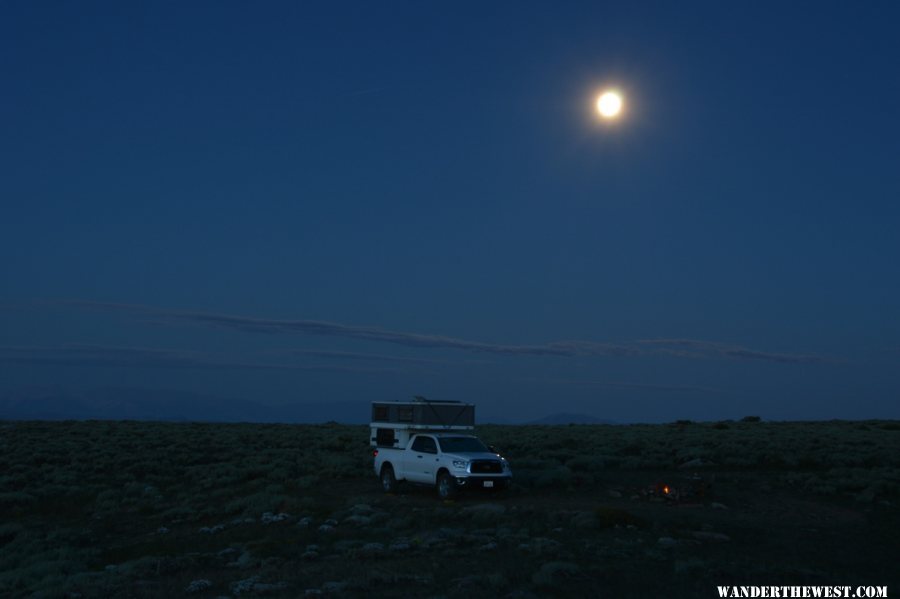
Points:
(388, 481)
(446, 486)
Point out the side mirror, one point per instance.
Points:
(492, 449)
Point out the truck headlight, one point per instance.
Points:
(460, 464)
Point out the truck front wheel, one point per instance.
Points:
(446, 486)
(388, 481)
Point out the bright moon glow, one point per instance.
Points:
(609, 105)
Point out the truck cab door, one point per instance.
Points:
(429, 460)
(420, 459)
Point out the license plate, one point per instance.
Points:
(488, 483)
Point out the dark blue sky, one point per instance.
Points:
(430, 180)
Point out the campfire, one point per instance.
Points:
(692, 489)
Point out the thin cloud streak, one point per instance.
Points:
(682, 348)
(366, 333)
(360, 356)
(139, 357)
(696, 348)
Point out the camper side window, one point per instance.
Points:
(384, 436)
(404, 414)
(424, 445)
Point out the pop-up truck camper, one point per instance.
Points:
(430, 443)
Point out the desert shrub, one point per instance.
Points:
(178, 513)
(560, 457)
(751, 419)
(258, 503)
(552, 574)
(251, 474)
(632, 449)
(587, 464)
(13, 483)
(533, 464)
(775, 460)
(307, 481)
(631, 463)
(686, 453)
(609, 517)
(108, 500)
(610, 462)
(15, 499)
(46, 568)
(562, 441)
(55, 477)
(9, 532)
(559, 476)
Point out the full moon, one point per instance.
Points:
(609, 105)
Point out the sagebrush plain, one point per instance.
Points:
(146, 509)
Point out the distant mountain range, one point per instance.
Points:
(566, 418)
(183, 406)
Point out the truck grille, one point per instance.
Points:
(486, 467)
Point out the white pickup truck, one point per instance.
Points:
(449, 461)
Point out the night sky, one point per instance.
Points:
(289, 203)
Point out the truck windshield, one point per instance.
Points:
(461, 445)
